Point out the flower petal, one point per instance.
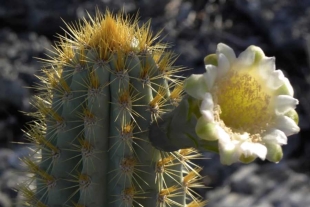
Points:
(223, 65)
(276, 80)
(286, 88)
(224, 137)
(250, 148)
(266, 67)
(284, 103)
(210, 75)
(287, 125)
(275, 136)
(228, 153)
(260, 150)
(247, 57)
(196, 86)
(227, 51)
(206, 107)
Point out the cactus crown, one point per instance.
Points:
(105, 84)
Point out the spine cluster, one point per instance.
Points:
(107, 82)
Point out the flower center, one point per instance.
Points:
(245, 103)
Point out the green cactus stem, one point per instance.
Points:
(106, 85)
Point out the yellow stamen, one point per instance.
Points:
(244, 102)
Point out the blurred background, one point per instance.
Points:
(193, 28)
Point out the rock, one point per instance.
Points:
(262, 185)
(279, 21)
(13, 91)
(5, 157)
(18, 54)
(5, 201)
(9, 182)
(46, 17)
(18, 66)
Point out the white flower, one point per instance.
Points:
(246, 104)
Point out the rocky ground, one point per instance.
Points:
(193, 28)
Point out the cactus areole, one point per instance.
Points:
(108, 80)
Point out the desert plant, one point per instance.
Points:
(98, 95)
(114, 127)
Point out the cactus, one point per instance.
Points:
(106, 84)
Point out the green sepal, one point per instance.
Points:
(247, 159)
(274, 153)
(293, 115)
(211, 60)
(206, 130)
(259, 54)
